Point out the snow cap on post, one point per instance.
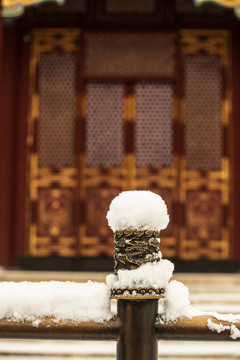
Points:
(138, 210)
(136, 218)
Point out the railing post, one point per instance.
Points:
(136, 244)
(137, 338)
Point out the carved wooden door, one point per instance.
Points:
(124, 111)
(204, 168)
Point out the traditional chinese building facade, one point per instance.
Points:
(104, 96)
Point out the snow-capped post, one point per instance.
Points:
(140, 275)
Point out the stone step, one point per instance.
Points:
(94, 350)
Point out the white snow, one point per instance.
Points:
(73, 301)
(156, 275)
(217, 327)
(235, 332)
(138, 210)
(176, 304)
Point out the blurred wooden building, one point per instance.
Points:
(101, 96)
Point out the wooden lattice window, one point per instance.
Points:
(129, 55)
(203, 129)
(57, 108)
(154, 137)
(104, 135)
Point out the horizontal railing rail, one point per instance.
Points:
(182, 329)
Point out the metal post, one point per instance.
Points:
(137, 338)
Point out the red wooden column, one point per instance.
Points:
(14, 65)
(235, 146)
(7, 141)
(5, 159)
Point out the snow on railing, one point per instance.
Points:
(141, 277)
(33, 301)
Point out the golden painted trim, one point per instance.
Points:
(33, 243)
(129, 107)
(62, 241)
(96, 181)
(204, 32)
(165, 172)
(167, 241)
(225, 3)
(67, 172)
(91, 240)
(62, 180)
(212, 249)
(216, 42)
(137, 297)
(192, 180)
(170, 253)
(163, 183)
(137, 293)
(223, 174)
(41, 246)
(87, 172)
(45, 177)
(64, 36)
(12, 3)
(130, 172)
(81, 170)
(54, 249)
(226, 108)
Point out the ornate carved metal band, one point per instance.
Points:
(134, 248)
(137, 292)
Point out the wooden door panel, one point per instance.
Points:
(51, 132)
(204, 168)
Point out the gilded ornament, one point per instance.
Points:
(134, 248)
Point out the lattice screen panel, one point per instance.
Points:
(57, 78)
(104, 136)
(130, 6)
(203, 140)
(129, 55)
(154, 133)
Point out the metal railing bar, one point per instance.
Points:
(192, 329)
(50, 329)
(184, 328)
